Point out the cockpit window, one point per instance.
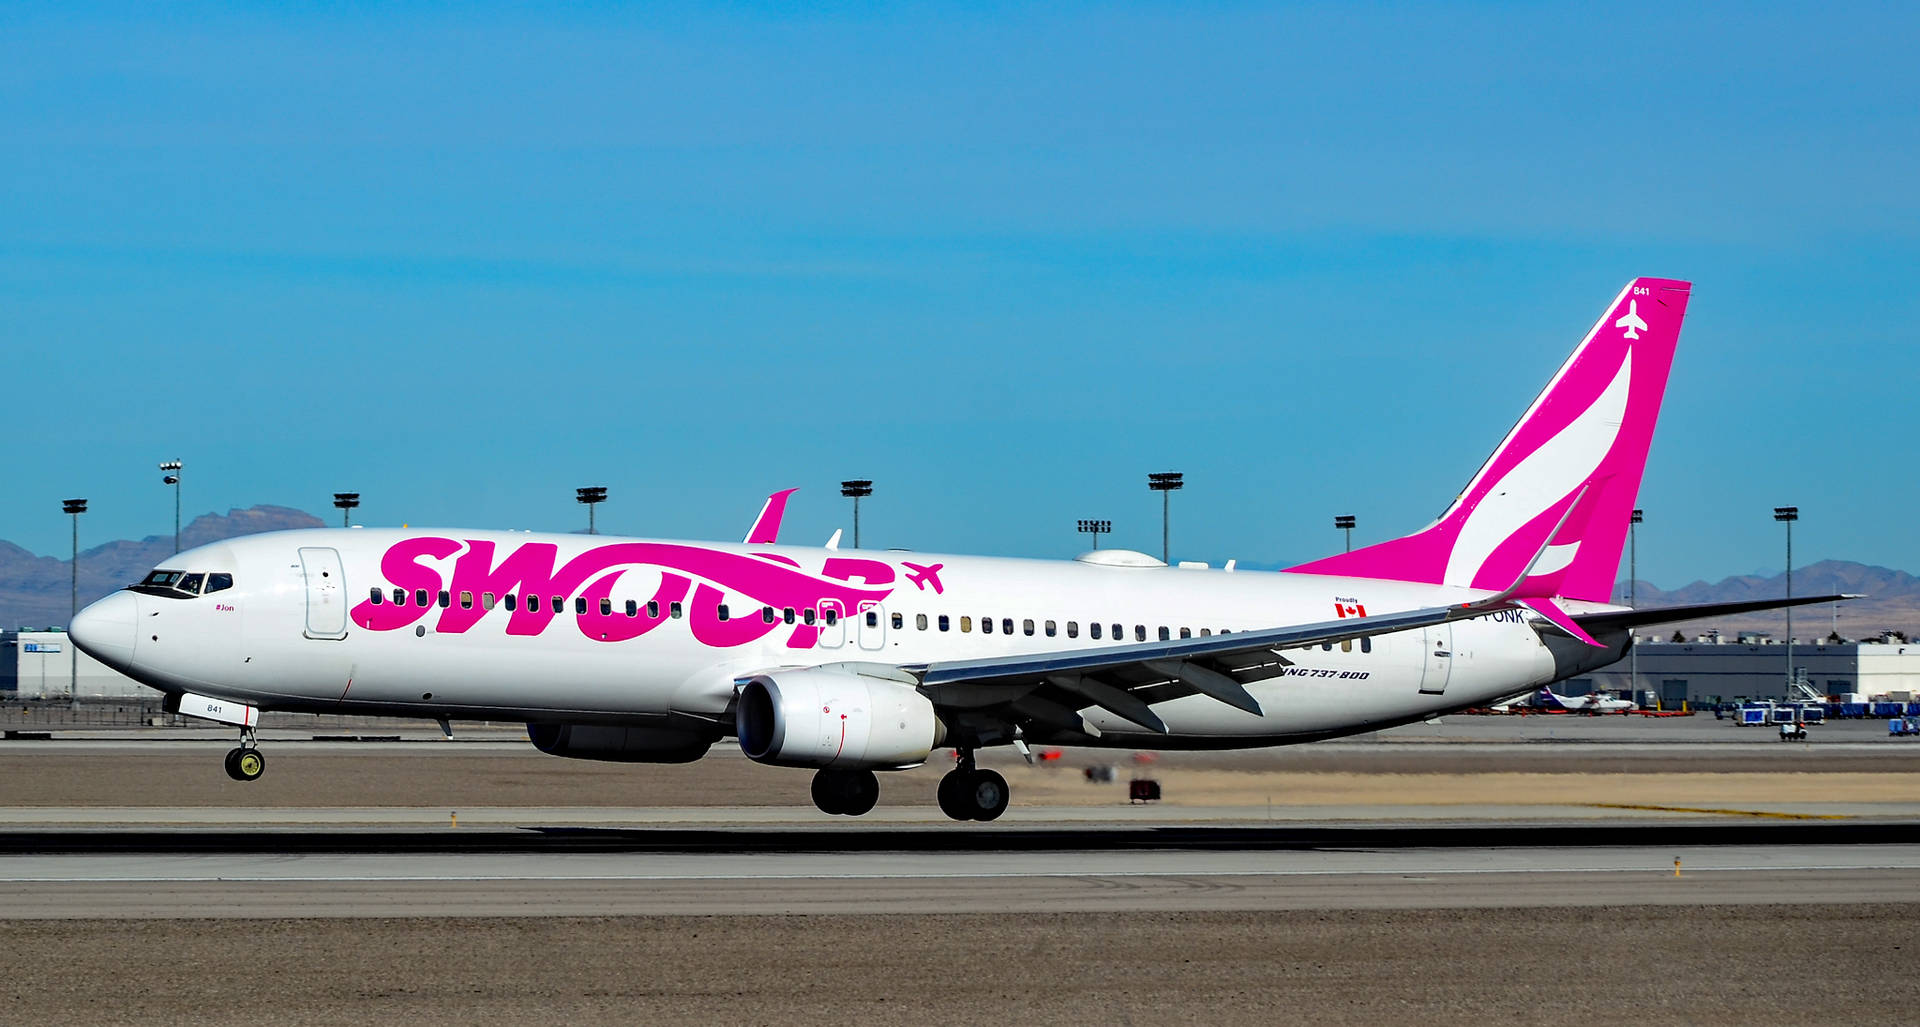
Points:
(182, 584)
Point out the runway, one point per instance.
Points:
(1473, 873)
(746, 871)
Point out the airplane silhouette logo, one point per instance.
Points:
(1632, 321)
(922, 576)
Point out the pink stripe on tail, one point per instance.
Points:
(1583, 441)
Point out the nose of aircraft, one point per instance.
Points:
(106, 630)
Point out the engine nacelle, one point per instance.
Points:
(618, 744)
(834, 718)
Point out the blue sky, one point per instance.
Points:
(1002, 260)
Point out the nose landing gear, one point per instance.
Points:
(970, 793)
(246, 763)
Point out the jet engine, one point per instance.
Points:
(619, 744)
(834, 718)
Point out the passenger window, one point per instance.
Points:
(1366, 644)
(633, 608)
(1206, 632)
(466, 600)
(723, 614)
(1006, 626)
(191, 584)
(374, 597)
(510, 603)
(1026, 627)
(920, 621)
(1093, 630)
(606, 607)
(486, 600)
(1139, 632)
(1073, 629)
(944, 622)
(1051, 631)
(766, 614)
(873, 619)
(898, 622)
(580, 606)
(675, 610)
(446, 599)
(420, 597)
(806, 615)
(1326, 647)
(1163, 633)
(399, 595)
(966, 625)
(653, 609)
(787, 615)
(559, 604)
(222, 582)
(1186, 632)
(833, 616)
(986, 625)
(1120, 632)
(1346, 645)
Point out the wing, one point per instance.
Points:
(1050, 688)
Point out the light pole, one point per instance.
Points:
(1787, 515)
(1344, 522)
(172, 477)
(1096, 529)
(346, 501)
(1633, 578)
(591, 497)
(856, 489)
(74, 507)
(1164, 483)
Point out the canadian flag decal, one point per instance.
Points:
(1349, 609)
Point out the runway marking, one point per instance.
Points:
(601, 878)
(1723, 812)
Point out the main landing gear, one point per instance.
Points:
(246, 762)
(970, 793)
(847, 793)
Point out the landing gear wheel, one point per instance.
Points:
(847, 793)
(968, 794)
(952, 795)
(988, 794)
(246, 764)
(864, 793)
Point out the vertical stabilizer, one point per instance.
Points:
(1570, 469)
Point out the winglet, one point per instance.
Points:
(766, 527)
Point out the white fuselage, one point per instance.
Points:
(299, 631)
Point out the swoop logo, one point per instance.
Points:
(699, 580)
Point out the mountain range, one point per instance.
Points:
(34, 590)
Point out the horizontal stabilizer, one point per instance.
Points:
(1618, 620)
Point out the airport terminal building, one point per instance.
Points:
(1711, 669)
(44, 665)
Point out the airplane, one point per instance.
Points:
(1631, 320)
(854, 663)
(1593, 702)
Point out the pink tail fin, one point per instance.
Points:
(1573, 463)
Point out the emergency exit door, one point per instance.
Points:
(1437, 659)
(326, 593)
